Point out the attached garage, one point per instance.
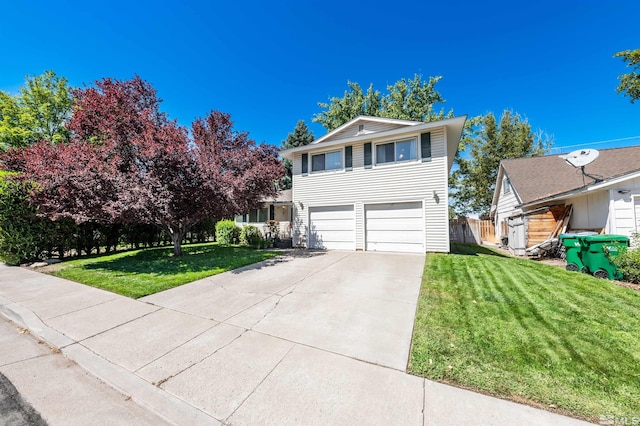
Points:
(395, 227)
(332, 227)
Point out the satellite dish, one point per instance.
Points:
(581, 157)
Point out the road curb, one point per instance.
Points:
(158, 401)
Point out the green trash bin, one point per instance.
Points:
(596, 250)
(572, 248)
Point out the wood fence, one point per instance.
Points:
(473, 231)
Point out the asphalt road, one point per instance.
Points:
(14, 411)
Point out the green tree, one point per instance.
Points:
(630, 83)
(487, 142)
(407, 99)
(413, 100)
(39, 112)
(300, 136)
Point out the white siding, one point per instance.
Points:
(370, 127)
(404, 182)
(624, 220)
(590, 211)
(505, 206)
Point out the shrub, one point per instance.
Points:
(265, 243)
(250, 236)
(227, 232)
(22, 233)
(203, 231)
(628, 261)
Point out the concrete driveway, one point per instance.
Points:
(357, 304)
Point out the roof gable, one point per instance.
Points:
(502, 175)
(364, 125)
(538, 178)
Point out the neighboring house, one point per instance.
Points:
(532, 194)
(278, 209)
(375, 184)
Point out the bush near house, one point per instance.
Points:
(250, 236)
(628, 261)
(227, 232)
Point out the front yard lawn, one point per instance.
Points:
(142, 272)
(529, 332)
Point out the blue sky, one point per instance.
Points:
(268, 64)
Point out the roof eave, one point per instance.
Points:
(363, 118)
(584, 189)
(456, 124)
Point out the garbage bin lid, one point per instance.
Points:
(576, 234)
(606, 238)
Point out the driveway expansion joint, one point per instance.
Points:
(119, 325)
(173, 349)
(166, 379)
(84, 307)
(259, 384)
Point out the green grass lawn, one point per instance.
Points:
(142, 272)
(529, 332)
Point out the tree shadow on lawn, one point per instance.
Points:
(474, 250)
(195, 258)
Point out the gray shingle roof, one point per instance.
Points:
(284, 196)
(537, 178)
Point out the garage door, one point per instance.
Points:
(332, 227)
(395, 227)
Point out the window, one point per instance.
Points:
(305, 164)
(326, 161)
(396, 152)
(360, 128)
(506, 185)
(259, 215)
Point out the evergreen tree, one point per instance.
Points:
(300, 136)
(488, 142)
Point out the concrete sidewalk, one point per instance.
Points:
(247, 361)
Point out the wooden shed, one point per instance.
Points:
(528, 230)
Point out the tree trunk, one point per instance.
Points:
(177, 234)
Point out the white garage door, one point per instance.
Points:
(332, 227)
(395, 227)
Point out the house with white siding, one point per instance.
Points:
(375, 184)
(274, 209)
(532, 191)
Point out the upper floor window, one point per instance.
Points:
(395, 152)
(506, 186)
(326, 161)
